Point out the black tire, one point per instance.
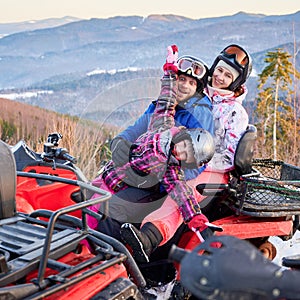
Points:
(7, 182)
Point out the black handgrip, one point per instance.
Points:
(62, 153)
(212, 188)
(176, 254)
(292, 261)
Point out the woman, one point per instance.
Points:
(227, 91)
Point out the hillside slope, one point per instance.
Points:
(83, 139)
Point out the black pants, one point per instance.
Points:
(131, 205)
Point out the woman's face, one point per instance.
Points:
(221, 78)
(187, 87)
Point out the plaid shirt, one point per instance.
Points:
(152, 155)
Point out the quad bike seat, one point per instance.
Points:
(244, 153)
(7, 181)
(217, 192)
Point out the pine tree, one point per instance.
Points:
(275, 111)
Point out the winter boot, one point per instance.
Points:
(142, 242)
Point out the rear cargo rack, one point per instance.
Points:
(273, 190)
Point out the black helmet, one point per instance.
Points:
(239, 59)
(195, 68)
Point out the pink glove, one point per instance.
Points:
(171, 61)
(198, 223)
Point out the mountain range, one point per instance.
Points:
(68, 64)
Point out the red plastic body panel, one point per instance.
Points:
(246, 227)
(35, 194)
(86, 288)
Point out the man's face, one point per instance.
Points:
(187, 87)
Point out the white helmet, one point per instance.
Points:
(203, 144)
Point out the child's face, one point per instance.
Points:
(184, 151)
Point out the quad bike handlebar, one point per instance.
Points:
(52, 152)
(59, 153)
(205, 271)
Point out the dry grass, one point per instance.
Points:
(83, 139)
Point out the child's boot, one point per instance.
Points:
(142, 242)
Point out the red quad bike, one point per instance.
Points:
(262, 199)
(46, 250)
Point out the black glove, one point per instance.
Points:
(120, 149)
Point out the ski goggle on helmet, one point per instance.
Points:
(238, 58)
(192, 66)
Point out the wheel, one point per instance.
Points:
(268, 250)
(180, 293)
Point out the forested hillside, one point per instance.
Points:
(84, 139)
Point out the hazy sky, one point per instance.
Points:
(24, 10)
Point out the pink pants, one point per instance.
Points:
(91, 221)
(168, 218)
